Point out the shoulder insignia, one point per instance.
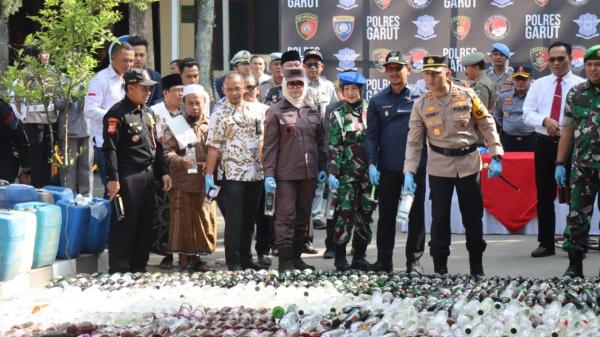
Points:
(113, 125)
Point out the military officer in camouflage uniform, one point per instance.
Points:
(348, 173)
(478, 80)
(449, 116)
(580, 137)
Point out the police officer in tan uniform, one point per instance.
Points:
(449, 116)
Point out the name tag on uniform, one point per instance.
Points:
(508, 100)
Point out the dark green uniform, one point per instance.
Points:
(582, 112)
(348, 162)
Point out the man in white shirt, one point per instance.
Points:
(173, 93)
(106, 89)
(543, 109)
(257, 68)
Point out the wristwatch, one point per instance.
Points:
(497, 157)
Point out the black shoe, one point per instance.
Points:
(297, 250)
(318, 224)
(342, 267)
(329, 254)
(235, 268)
(575, 268)
(386, 267)
(253, 266)
(285, 258)
(440, 265)
(309, 249)
(264, 260)
(414, 266)
(361, 264)
(477, 272)
(167, 262)
(542, 252)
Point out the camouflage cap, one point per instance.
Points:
(593, 53)
(395, 57)
(472, 58)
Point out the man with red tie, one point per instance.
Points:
(543, 109)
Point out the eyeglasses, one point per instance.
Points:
(295, 84)
(251, 87)
(312, 64)
(556, 59)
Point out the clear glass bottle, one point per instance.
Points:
(270, 203)
(406, 201)
(332, 201)
(190, 155)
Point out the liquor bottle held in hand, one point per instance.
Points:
(190, 155)
(406, 201)
(270, 203)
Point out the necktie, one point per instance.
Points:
(556, 101)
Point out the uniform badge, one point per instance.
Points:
(135, 138)
(507, 100)
(113, 126)
(506, 113)
(343, 26)
(437, 132)
(386, 113)
(431, 109)
(306, 25)
(577, 57)
(587, 26)
(461, 25)
(425, 27)
(539, 58)
(378, 56)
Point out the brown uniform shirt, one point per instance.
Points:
(175, 157)
(450, 122)
(295, 142)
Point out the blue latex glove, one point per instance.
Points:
(409, 183)
(560, 175)
(209, 183)
(483, 150)
(270, 184)
(373, 175)
(494, 169)
(321, 177)
(333, 182)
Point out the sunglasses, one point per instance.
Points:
(556, 59)
(312, 64)
(295, 84)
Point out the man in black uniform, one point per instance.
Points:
(14, 147)
(133, 155)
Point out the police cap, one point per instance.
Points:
(593, 53)
(351, 77)
(395, 57)
(472, 58)
(502, 49)
(242, 56)
(275, 56)
(523, 72)
(138, 76)
(435, 63)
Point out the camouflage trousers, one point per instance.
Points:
(355, 211)
(585, 186)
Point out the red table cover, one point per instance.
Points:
(512, 208)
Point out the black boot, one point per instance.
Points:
(575, 268)
(476, 264)
(340, 263)
(297, 257)
(440, 265)
(358, 258)
(285, 258)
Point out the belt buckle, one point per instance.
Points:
(519, 138)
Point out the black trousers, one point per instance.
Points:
(512, 143)
(264, 228)
(41, 152)
(390, 188)
(471, 208)
(241, 198)
(9, 169)
(129, 240)
(544, 162)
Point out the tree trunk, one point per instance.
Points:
(3, 43)
(205, 20)
(140, 23)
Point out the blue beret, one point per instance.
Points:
(502, 49)
(351, 77)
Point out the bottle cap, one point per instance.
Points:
(278, 312)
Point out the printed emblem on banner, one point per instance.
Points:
(577, 57)
(425, 27)
(501, 3)
(539, 58)
(578, 2)
(542, 3)
(383, 4)
(496, 27)
(419, 4)
(306, 25)
(378, 56)
(347, 4)
(587, 26)
(343, 25)
(416, 56)
(346, 58)
(461, 25)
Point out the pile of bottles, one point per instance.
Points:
(305, 303)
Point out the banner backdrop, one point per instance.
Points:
(360, 33)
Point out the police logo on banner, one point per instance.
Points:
(539, 58)
(417, 55)
(542, 3)
(496, 27)
(346, 58)
(587, 26)
(578, 2)
(378, 56)
(343, 26)
(577, 57)
(461, 25)
(425, 27)
(347, 4)
(419, 4)
(306, 25)
(383, 4)
(501, 3)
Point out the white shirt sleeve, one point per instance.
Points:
(93, 100)
(531, 115)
